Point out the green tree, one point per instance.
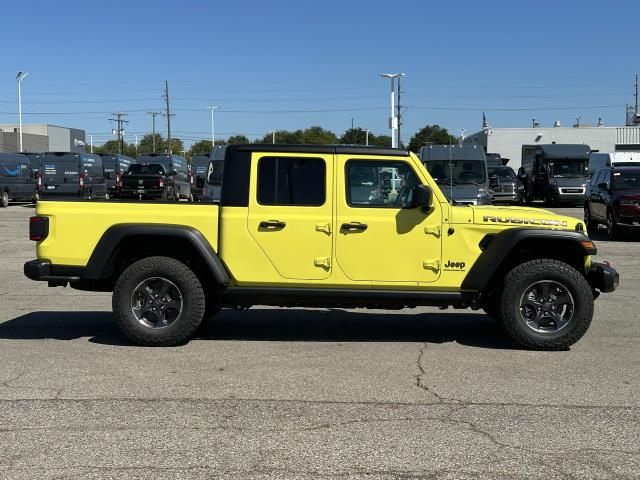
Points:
(434, 134)
(201, 146)
(145, 145)
(237, 139)
(358, 136)
(318, 136)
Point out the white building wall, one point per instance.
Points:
(508, 141)
(59, 139)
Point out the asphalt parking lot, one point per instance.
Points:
(292, 393)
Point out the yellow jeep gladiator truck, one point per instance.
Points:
(323, 226)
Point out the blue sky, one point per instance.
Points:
(286, 65)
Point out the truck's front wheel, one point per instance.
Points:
(158, 301)
(546, 305)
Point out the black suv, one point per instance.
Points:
(613, 199)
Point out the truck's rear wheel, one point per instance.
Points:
(546, 305)
(158, 301)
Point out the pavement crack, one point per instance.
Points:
(421, 379)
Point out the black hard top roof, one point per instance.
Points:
(336, 149)
(564, 150)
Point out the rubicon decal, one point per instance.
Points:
(524, 221)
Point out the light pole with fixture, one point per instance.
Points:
(393, 119)
(213, 134)
(19, 78)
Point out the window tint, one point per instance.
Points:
(379, 184)
(291, 181)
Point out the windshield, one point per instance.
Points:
(502, 172)
(568, 169)
(626, 180)
(457, 171)
(146, 169)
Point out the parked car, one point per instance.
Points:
(17, 179)
(555, 173)
(212, 189)
(201, 169)
(317, 225)
(115, 165)
(613, 199)
(176, 172)
(71, 175)
(504, 184)
(460, 171)
(148, 181)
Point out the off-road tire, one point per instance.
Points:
(518, 280)
(4, 199)
(193, 298)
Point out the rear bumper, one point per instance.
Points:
(603, 277)
(41, 270)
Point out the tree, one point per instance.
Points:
(358, 136)
(312, 135)
(146, 143)
(113, 146)
(202, 146)
(237, 139)
(434, 134)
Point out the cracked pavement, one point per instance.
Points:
(290, 393)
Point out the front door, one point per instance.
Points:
(379, 237)
(291, 212)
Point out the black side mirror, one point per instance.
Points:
(422, 197)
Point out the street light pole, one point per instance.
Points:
(366, 138)
(19, 78)
(393, 119)
(213, 134)
(273, 136)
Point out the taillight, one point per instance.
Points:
(81, 182)
(161, 182)
(38, 228)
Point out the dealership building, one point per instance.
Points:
(508, 141)
(41, 138)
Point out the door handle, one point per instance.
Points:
(353, 227)
(272, 225)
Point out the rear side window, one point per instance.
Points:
(291, 181)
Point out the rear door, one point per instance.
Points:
(290, 212)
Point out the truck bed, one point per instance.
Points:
(75, 227)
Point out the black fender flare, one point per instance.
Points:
(103, 252)
(497, 247)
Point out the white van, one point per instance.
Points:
(599, 160)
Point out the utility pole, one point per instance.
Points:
(21, 76)
(167, 114)
(153, 128)
(366, 137)
(91, 140)
(213, 131)
(119, 131)
(398, 114)
(273, 136)
(636, 94)
(393, 120)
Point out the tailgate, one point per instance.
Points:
(76, 227)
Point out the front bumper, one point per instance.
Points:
(603, 277)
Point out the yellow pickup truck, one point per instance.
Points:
(323, 226)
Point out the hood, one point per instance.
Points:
(522, 216)
(571, 181)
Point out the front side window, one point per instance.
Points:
(379, 184)
(291, 181)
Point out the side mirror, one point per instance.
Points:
(422, 197)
